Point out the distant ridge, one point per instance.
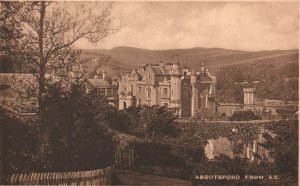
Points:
(214, 58)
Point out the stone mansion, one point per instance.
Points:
(187, 93)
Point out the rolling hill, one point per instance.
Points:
(214, 58)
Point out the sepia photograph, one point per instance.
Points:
(149, 93)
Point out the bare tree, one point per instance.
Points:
(51, 29)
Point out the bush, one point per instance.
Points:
(18, 143)
(244, 116)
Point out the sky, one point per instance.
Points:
(248, 26)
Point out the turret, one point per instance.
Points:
(193, 76)
(249, 96)
(202, 67)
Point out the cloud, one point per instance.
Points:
(237, 25)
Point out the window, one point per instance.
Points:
(101, 91)
(140, 89)
(131, 88)
(200, 99)
(166, 105)
(124, 105)
(148, 93)
(165, 91)
(139, 102)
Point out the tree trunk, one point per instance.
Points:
(42, 61)
(43, 137)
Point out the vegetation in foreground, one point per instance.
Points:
(185, 151)
(73, 133)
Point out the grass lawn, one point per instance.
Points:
(126, 177)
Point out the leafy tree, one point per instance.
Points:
(146, 122)
(158, 122)
(125, 120)
(10, 35)
(74, 133)
(51, 29)
(282, 142)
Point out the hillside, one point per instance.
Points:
(214, 58)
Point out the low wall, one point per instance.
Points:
(92, 177)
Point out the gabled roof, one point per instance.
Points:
(99, 82)
(157, 70)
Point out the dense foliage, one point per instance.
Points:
(155, 153)
(284, 147)
(18, 145)
(74, 130)
(71, 134)
(271, 82)
(244, 116)
(187, 152)
(146, 122)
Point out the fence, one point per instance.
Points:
(93, 177)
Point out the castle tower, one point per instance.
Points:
(176, 87)
(194, 103)
(249, 98)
